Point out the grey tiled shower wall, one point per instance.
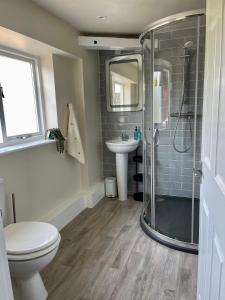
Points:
(173, 170)
(112, 127)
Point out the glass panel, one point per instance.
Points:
(198, 125)
(147, 65)
(16, 77)
(173, 123)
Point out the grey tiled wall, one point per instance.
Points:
(111, 128)
(174, 170)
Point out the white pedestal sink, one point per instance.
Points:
(121, 148)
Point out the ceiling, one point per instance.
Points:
(123, 16)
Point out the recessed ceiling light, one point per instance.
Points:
(102, 17)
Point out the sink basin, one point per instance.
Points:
(121, 149)
(119, 146)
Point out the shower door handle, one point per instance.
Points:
(156, 137)
(198, 173)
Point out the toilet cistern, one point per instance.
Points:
(122, 147)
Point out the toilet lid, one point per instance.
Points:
(28, 237)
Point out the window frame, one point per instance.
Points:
(123, 90)
(36, 74)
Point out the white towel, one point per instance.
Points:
(74, 145)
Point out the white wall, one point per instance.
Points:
(93, 116)
(41, 179)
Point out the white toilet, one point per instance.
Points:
(30, 246)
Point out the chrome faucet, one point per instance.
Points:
(124, 136)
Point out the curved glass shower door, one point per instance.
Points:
(173, 71)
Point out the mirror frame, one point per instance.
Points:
(120, 58)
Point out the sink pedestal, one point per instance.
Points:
(121, 148)
(121, 174)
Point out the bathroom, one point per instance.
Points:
(111, 150)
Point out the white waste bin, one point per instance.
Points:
(110, 187)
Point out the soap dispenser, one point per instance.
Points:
(136, 133)
(139, 133)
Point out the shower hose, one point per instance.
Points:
(180, 117)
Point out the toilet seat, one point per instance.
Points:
(27, 240)
(33, 255)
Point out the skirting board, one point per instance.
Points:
(95, 194)
(69, 209)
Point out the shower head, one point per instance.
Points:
(188, 45)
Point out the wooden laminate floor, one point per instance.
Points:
(104, 254)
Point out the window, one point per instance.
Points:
(118, 93)
(20, 107)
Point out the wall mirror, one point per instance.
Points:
(124, 83)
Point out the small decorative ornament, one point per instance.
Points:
(55, 134)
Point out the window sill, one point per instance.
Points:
(24, 146)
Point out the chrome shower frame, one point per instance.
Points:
(149, 227)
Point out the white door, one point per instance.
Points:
(5, 281)
(211, 275)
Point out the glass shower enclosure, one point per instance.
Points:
(173, 63)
